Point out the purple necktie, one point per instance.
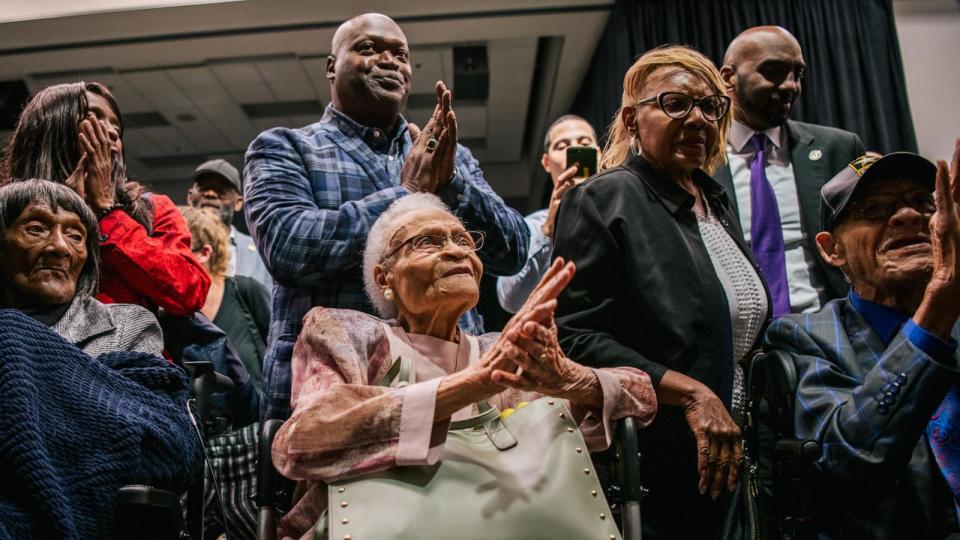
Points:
(766, 233)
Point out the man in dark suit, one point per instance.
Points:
(777, 167)
(878, 370)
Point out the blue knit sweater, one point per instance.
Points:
(74, 429)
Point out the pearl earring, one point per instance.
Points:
(388, 293)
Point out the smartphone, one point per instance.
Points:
(585, 158)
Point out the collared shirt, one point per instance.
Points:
(312, 195)
(799, 260)
(886, 321)
(245, 260)
(513, 291)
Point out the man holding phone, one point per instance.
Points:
(570, 141)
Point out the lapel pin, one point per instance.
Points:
(815, 155)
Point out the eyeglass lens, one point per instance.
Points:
(677, 105)
(883, 206)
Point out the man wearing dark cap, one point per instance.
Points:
(777, 166)
(216, 185)
(878, 369)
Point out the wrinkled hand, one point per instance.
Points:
(719, 451)
(538, 308)
(99, 190)
(77, 181)
(945, 226)
(565, 181)
(544, 368)
(426, 169)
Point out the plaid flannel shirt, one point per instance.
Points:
(312, 194)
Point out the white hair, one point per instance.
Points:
(378, 243)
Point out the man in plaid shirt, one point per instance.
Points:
(313, 193)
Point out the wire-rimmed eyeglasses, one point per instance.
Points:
(432, 243)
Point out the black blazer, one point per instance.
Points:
(833, 149)
(646, 295)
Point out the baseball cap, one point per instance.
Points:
(835, 196)
(222, 168)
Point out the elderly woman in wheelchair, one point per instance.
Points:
(385, 400)
(88, 403)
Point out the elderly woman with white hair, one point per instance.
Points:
(422, 273)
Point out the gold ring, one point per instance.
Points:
(431, 144)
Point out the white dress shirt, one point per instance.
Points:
(803, 293)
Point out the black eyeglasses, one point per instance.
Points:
(432, 243)
(881, 206)
(677, 105)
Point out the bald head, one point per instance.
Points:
(369, 70)
(752, 41)
(763, 71)
(349, 28)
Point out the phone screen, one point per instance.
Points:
(585, 158)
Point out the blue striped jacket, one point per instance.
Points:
(868, 403)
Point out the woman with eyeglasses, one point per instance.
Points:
(664, 284)
(422, 272)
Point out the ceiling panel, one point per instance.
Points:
(286, 79)
(511, 75)
(315, 69)
(243, 81)
(429, 67)
(216, 104)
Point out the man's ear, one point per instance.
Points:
(545, 161)
(190, 196)
(331, 66)
(729, 76)
(831, 249)
(238, 206)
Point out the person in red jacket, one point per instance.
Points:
(73, 134)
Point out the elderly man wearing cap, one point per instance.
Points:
(216, 184)
(878, 370)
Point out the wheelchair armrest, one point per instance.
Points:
(269, 481)
(147, 512)
(213, 382)
(780, 381)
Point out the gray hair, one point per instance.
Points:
(17, 196)
(378, 244)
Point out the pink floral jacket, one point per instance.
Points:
(344, 424)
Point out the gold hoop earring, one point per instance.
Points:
(388, 294)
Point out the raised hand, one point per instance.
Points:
(565, 181)
(99, 191)
(939, 310)
(77, 181)
(426, 162)
(538, 308)
(945, 224)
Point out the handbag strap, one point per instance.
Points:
(401, 369)
(487, 413)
